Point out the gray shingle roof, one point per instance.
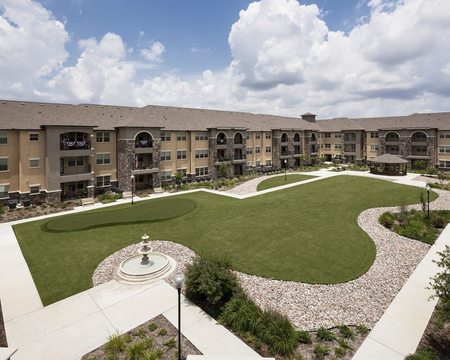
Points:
(389, 159)
(33, 115)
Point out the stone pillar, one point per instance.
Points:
(212, 169)
(431, 152)
(125, 162)
(382, 148)
(156, 157)
(276, 150)
(90, 191)
(54, 196)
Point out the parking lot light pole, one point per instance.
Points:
(179, 280)
(132, 189)
(285, 169)
(428, 197)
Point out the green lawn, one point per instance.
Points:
(305, 233)
(278, 180)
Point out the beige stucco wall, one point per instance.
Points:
(11, 151)
(105, 147)
(31, 150)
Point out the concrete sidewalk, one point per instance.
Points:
(84, 321)
(400, 329)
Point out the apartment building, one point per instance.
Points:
(54, 151)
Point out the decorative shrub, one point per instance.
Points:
(210, 281)
(346, 332)
(320, 351)
(304, 337)
(438, 221)
(426, 354)
(325, 334)
(241, 314)
(387, 220)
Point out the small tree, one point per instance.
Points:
(441, 177)
(423, 202)
(178, 178)
(420, 165)
(222, 171)
(440, 283)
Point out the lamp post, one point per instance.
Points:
(179, 280)
(132, 189)
(285, 169)
(428, 197)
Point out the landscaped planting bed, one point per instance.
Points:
(307, 233)
(156, 339)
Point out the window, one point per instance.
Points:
(374, 147)
(3, 137)
(442, 164)
(268, 135)
(257, 150)
(181, 136)
(75, 161)
(327, 146)
(201, 171)
(35, 189)
(103, 136)
(258, 163)
(165, 136)
(182, 172)
(444, 136)
(268, 149)
(103, 159)
(34, 136)
(103, 181)
(181, 154)
(247, 136)
(257, 136)
(166, 156)
(321, 146)
(4, 190)
(327, 135)
(444, 149)
(249, 150)
(34, 163)
(338, 136)
(201, 135)
(166, 175)
(4, 164)
(268, 162)
(200, 154)
(374, 135)
(338, 146)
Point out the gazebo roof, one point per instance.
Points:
(389, 159)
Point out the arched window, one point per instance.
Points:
(238, 138)
(419, 136)
(296, 137)
(392, 137)
(284, 137)
(143, 140)
(221, 138)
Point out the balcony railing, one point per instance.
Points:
(75, 170)
(143, 143)
(75, 145)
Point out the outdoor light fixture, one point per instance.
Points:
(428, 193)
(179, 280)
(285, 169)
(132, 189)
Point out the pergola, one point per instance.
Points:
(388, 164)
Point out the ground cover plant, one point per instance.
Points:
(306, 233)
(145, 342)
(275, 181)
(416, 224)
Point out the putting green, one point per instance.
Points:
(280, 180)
(157, 210)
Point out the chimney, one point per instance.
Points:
(309, 117)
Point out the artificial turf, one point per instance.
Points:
(306, 233)
(275, 181)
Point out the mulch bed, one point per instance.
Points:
(36, 210)
(163, 334)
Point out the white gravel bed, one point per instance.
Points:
(360, 301)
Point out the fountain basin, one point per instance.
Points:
(132, 270)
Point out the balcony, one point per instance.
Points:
(143, 170)
(75, 173)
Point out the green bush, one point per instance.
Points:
(320, 351)
(115, 344)
(387, 220)
(438, 221)
(107, 198)
(136, 350)
(277, 331)
(210, 281)
(340, 352)
(346, 332)
(325, 334)
(425, 354)
(362, 329)
(241, 314)
(304, 337)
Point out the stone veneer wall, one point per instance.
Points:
(156, 156)
(125, 162)
(212, 145)
(276, 149)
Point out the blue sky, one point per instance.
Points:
(195, 32)
(334, 58)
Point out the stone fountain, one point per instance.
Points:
(145, 266)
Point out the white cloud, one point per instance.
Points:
(285, 61)
(154, 52)
(31, 46)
